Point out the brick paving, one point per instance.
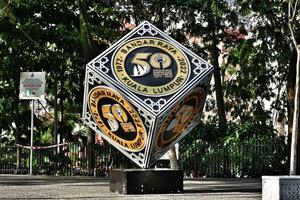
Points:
(49, 187)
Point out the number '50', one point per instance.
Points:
(114, 114)
(157, 60)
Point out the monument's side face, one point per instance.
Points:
(145, 93)
(177, 121)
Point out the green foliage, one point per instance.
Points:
(261, 62)
(250, 149)
(252, 128)
(51, 36)
(47, 137)
(46, 36)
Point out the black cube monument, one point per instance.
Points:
(143, 95)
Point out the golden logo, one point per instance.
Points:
(151, 66)
(179, 119)
(117, 118)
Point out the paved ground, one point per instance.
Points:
(47, 187)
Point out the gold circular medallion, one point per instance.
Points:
(179, 119)
(151, 66)
(117, 119)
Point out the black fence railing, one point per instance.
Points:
(72, 159)
(251, 158)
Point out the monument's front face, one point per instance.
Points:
(145, 93)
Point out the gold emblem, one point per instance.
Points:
(151, 66)
(117, 119)
(179, 119)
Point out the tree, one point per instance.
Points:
(273, 49)
(60, 37)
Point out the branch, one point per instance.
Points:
(292, 34)
(292, 10)
(88, 47)
(289, 9)
(122, 3)
(14, 19)
(17, 21)
(39, 102)
(290, 21)
(3, 10)
(295, 10)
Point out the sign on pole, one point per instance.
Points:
(32, 85)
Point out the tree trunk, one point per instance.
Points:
(18, 138)
(292, 8)
(219, 92)
(173, 158)
(90, 150)
(88, 53)
(18, 120)
(214, 52)
(295, 131)
(62, 133)
(18, 153)
(291, 77)
(86, 38)
(55, 128)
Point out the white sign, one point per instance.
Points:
(32, 85)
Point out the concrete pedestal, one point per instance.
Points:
(145, 181)
(280, 187)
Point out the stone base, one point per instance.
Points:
(280, 187)
(145, 181)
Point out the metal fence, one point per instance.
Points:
(251, 158)
(72, 159)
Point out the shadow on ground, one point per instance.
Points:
(23, 180)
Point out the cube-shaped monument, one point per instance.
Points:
(145, 93)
